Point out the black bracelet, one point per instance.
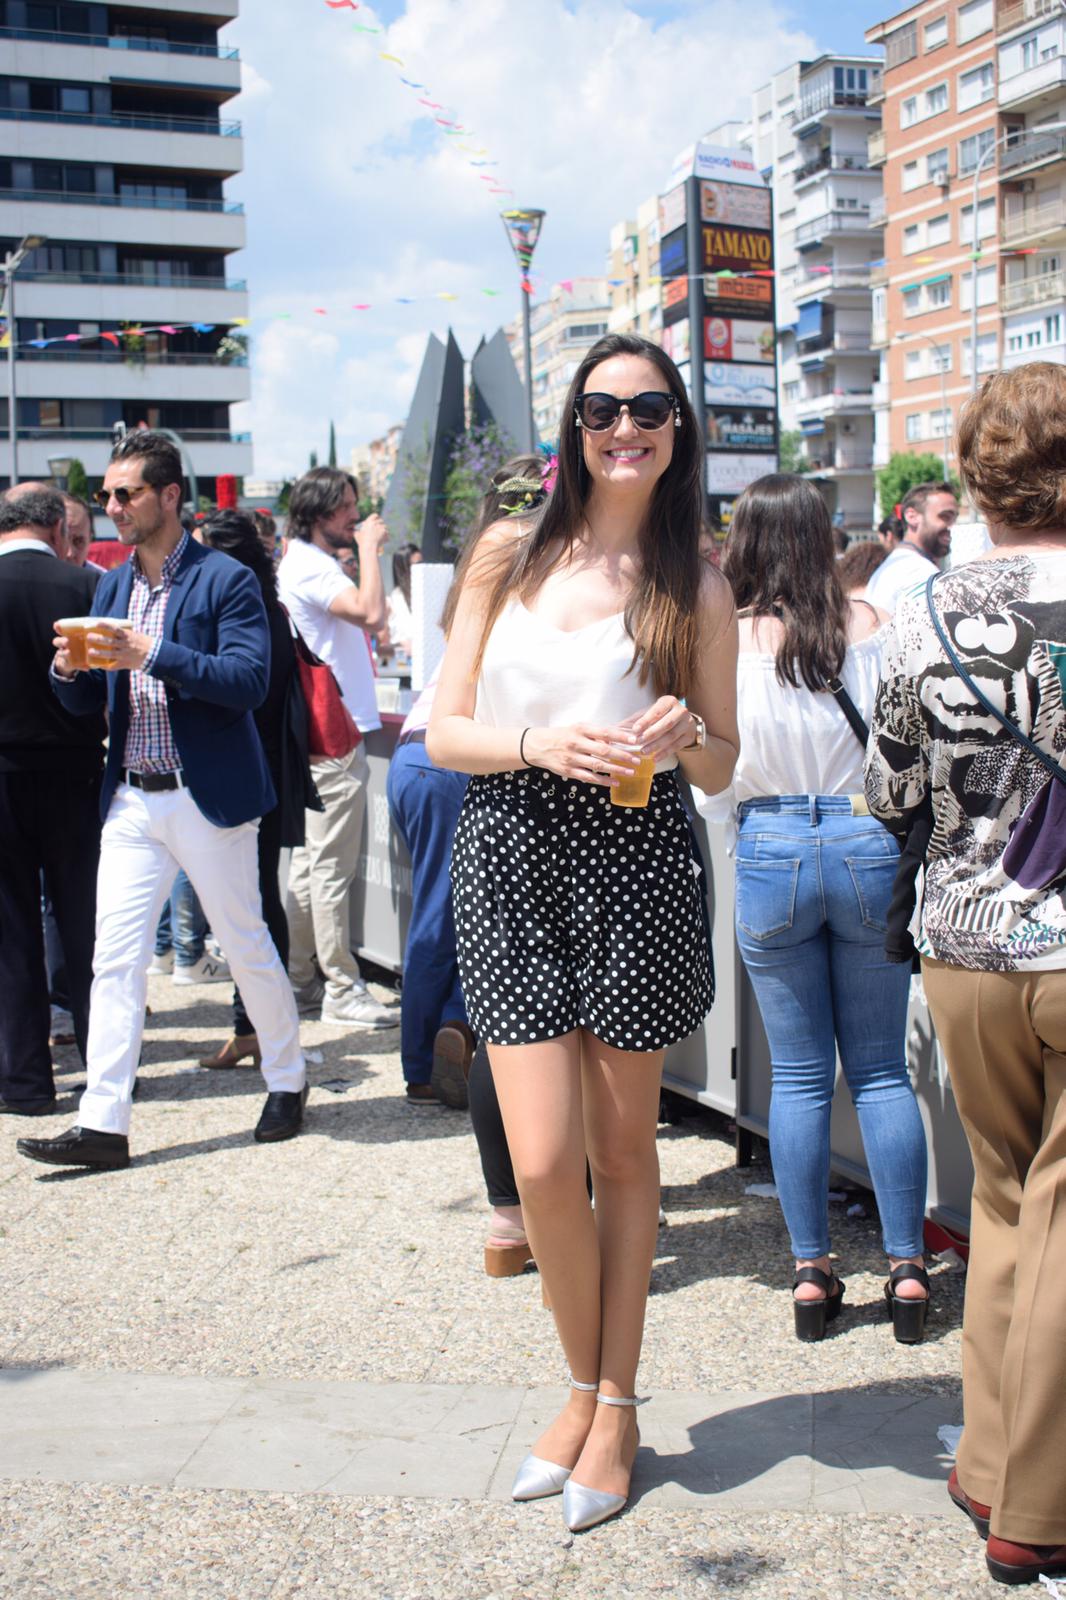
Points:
(522, 748)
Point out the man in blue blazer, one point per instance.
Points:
(181, 669)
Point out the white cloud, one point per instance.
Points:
(353, 195)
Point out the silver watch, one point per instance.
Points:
(699, 738)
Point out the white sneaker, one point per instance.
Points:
(162, 965)
(359, 1006)
(206, 970)
(213, 949)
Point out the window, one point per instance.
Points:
(879, 305)
(972, 149)
(976, 86)
(986, 288)
(908, 112)
(936, 166)
(975, 18)
(1052, 334)
(986, 221)
(74, 100)
(912, 302)
(914, 364)
(791, 393)
(986, 354)
(938, 230)
(936, 33)
(936, 99)
(938, 295)
(915, 426)
(939, 423)
(912, 176)
(912, 238)
(1029, 52)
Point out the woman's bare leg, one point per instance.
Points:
(621, 1103)
(539, 1089)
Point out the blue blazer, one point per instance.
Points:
(215, 663)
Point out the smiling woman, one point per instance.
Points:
(582, 940)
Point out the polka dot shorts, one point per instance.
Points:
(573, 912)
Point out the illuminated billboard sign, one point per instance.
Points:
(727, 339)
(740, 428)
(732, 203)
(738, 383)
(676, 341)
(734, 297)
(726, 248)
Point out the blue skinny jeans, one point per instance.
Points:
(182, 924)
(812, 893)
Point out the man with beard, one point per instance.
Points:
(928, 513)
(334, 615)
(187, 652)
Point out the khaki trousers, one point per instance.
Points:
(321, 873)
(1004, 1036)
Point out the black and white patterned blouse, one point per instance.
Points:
(1006, 618)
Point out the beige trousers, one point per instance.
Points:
(1004, 1036)
(321, 873)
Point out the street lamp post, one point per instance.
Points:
(942, 351)
(11, 263)
(984, 161)
(522, 227)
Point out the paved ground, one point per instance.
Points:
(243, 1371)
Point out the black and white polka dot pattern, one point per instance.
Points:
(571, 911)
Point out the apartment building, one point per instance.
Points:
(382, 455)
(562, 328)
(634, 289)
(114, 153)
(940, 121)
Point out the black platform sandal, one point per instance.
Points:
(908, 1316)
(812, 1315)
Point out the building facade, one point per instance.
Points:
(114, 152)
(633, 285)
(562, 327)
(939, 151)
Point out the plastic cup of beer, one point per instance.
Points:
(635, 790)
(76, 631)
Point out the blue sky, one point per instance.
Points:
(355, 196)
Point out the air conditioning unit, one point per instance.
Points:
(847, 427)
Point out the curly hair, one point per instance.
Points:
(1012, 447)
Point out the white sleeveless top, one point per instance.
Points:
(534, 675)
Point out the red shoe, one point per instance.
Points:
(977, 1513)
(1024, 1563)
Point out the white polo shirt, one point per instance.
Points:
(904, 569)
(309, 580)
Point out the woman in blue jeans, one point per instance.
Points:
(813, 882)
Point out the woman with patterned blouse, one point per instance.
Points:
(993, 938)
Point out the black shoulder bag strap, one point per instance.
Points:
(843, 699)
(1023, 738)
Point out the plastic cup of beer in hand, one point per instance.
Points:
(635, 790)
(76, 631)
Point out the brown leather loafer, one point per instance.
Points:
(977, 1513)
(453, 1051)
(1024, 1563)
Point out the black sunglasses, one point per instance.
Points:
(649, 411)
(123, 495)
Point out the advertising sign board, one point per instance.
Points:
(672, 210)
(729, 474)
(675, 293)
(672, 262)
(676, 340)
(715, 161)
(733, 203)
(753, 297)
(725, 339)
(736, 249)
(739, 383)
(739, 428)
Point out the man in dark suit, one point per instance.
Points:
(186, 782)
(50, 767)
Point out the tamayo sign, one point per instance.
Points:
(732, 202)
(728, 339)
(730, 249)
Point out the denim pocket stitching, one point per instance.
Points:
(792, 867)
(859, 865)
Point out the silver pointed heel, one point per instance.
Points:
(536, 1478)
(584, 1507)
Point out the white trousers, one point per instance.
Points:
(146, 838)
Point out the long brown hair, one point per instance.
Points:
(662, 615)
(781, 562)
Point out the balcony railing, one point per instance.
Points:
(846, 220)
(126, 120)
(111, 357)
(1017, 12)
(830, 160)
(104, 41)
(1035, 291)
(829, 98)
(1031, 221)
(193, 435)
(1030, 149)
(58, 197)
(837, 277)
(878, 211)
(126, 280)
(846, 343)
(876, 149)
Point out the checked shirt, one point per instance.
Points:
(150, 744)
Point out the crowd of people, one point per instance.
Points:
(882, 740)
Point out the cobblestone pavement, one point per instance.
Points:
(348, 1261)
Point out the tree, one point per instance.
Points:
(332, 458)
(790, 453)
(474, 456)
(78, 481)
(905, 472)
(312, 461)
(284, 493)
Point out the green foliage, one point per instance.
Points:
(284, 495)
(474, 456)
(312, 461)
(332, 458)
(369, 504)
(415, 468)
(78, 480)
(905, 471)
(790, 453)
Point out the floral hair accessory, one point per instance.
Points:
(523, 494)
